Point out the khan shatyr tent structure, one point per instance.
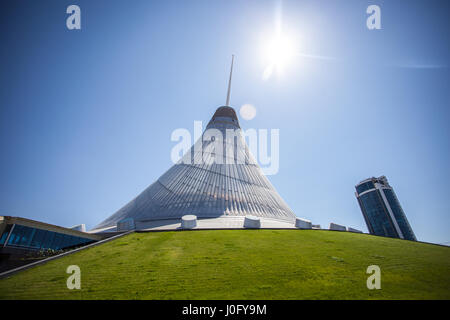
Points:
(217, 178)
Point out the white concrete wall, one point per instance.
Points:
(252, 222)
(338, 227)
(353, 230)
(80, 227)
(188, 221)
(303, 223)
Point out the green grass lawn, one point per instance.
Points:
(242, 264)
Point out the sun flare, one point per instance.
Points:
(278, 53)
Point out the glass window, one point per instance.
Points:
(72, 241)
(38, 238)
(57, 241)
(5, 233)
(365, 186)
(75, 241)
(399, 215)
(78, 240)
(67, 242)
(83, 241)
(47, 242)
(63, 242)
(15, 235)
(27, 234)
(377, 214)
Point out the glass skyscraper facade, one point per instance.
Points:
(381, 209)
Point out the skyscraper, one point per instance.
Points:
(381, 209)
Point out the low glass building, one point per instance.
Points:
(23, 241)
(381, 209)
(20, 233)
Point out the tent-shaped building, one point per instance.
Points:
(217, 178)
(218, 181)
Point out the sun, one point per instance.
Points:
(278, 53)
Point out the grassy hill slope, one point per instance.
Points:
(242, 264)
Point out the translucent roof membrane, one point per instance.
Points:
(217, 177)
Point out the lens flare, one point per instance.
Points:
(247, 111)
(278, 53)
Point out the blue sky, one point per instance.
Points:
(86, 115)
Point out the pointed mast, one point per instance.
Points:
(229, 82)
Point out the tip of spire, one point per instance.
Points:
(229, 82)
